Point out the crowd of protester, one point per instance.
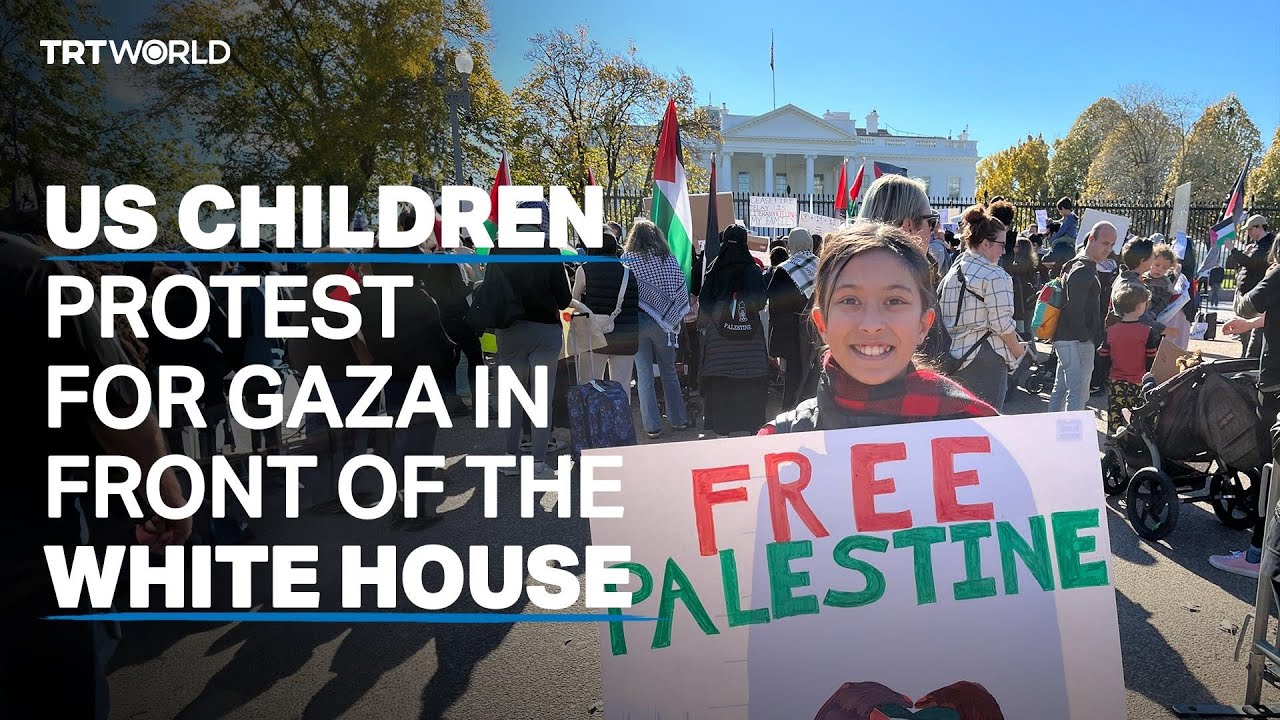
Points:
(892, 318)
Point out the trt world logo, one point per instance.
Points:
(152, 52)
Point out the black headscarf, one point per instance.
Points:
(726, 273)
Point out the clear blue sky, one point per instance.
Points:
(1005, 68)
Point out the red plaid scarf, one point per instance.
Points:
(914, 396)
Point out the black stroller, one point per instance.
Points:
(1196, 437)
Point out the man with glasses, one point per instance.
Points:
(1080, 322)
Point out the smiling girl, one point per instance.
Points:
(873, 308)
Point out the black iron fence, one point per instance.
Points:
(1145, 218)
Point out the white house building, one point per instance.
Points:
(791, 151)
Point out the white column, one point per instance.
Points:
(768, 172)
(808, 173)
(728, 183)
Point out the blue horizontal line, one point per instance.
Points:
(333, 258)
(351, 617)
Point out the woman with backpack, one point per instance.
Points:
(977, 301)
(735, 363)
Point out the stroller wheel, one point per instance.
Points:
(1034, 384)
(1153, 503)
(1234, 497)
(1115, 472)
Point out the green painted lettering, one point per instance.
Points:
(1069, 546)
(873, 578)
(676, 586)
(733, 595)
(782, 580)
(974, 585)
(617, 640)
(922, 539)
(1035, 556)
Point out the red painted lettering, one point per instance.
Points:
(946, 479)
(704, 497)
(781, 493)
(863, 459)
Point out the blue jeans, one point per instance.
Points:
(654, 348)
(417, 439)
(523, 347)
(1071, 382)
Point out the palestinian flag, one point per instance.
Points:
(671, 192)
(1219, 235)
(1235, 201)
(503, 177)
(883, 168)
(711, 248)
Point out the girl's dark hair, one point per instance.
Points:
(842, 246)
(980, 226)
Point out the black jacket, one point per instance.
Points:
(1265, 298)
(543, 288)
(1081, 317)
(1252, 262)
(603, 280)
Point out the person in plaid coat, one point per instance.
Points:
(873, 309)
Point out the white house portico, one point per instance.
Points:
(791, 151)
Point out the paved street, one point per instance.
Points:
(1172, 610)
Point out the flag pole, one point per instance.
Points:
(773, 72)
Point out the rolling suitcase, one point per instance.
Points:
(599, 414)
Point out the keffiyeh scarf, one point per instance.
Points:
(802, 267)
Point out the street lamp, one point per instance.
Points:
(458, 99)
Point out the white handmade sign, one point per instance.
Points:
(818, 224)
(1042, 220)
(1092, 217)
(964, 562)
(1181, 209)
(773, 212)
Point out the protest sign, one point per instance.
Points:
(1092, 217)
(788, 571)
(818, 224)
(773, 212)
(1042, 221)
(1181, 209)
(698, 212)
(1165, 365)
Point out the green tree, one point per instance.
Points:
(1264, 179)
(340, 92)
(581, 106)
(58, 126)
(1073, 154)
(1021, 171)
(1214, 151)
(1137, 156)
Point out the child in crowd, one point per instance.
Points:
(873, 307)
(1137, 258)
(1131, 346)
(1161, 279)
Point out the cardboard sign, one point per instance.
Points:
(1181, 209)
(759, 244)
(1165, 364)
(698, 212)
(818, 224)
(792, 573)
(773, 212)
(1092, 217)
